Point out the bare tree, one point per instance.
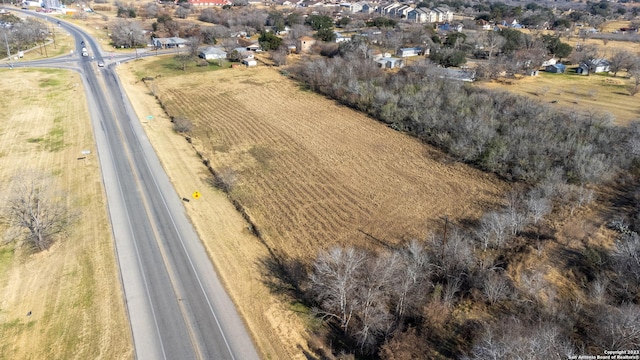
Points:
(634, 73)
(182, 12)
(584, 54)
(496, 287)
(412, 278)
(226, 179)
(127, 33)
(450, 290)
(515, 214)
(372, 312)
(193, 46)
(279, 56)
(451, 256)
(538, 207)
(334, 280)
(626, 260)
(182, 124)
(620, 60)
(228, 44)
(38, 209)
(619, 328)
(510, 339)
(150, 10)
(183, 60)
(533, 283)
(599, 288)
(494, 229)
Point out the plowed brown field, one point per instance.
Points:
(312, 173)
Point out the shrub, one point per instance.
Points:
(181, 124)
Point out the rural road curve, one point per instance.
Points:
(177, 307)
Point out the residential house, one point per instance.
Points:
(390, 62)
(376, 54)
(284, 2)
(400, 11)
(311, 3)
(341, 38)
(385, 10)
(511, 23)
(595, 65)
(250, 62)
(210, 2)
(213, 53)
(555, 68)
(351, 7)
(443, 14)
(450, 27)
(168, 43)
(422, 15)
(249, 45)
(305, 43)
(600, 65)
(367, 8)
(407, 52)
(244, 53)
(583, 69)
(484, 24)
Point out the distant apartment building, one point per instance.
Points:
(418, 15)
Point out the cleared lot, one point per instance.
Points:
(312, 173)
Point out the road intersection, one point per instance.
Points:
(177, 307)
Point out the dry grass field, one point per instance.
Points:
(572, 92)
(313, 174)
(577, 93)
(72, 290)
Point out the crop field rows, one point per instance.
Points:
(312, 173)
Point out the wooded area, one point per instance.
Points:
(369, 298)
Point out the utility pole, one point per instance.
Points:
(131, 36)
(444, 236)
(8, 51)
(44, 44)
(53, 36)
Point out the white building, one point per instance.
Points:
(213, 53)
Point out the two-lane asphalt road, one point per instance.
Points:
(176, 304)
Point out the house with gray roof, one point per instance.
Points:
(213, 53)
(169, 43)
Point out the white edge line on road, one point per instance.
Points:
(135, 244)
(184, 247)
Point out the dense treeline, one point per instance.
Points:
(513, 136)
(400, 303)
(22, 34)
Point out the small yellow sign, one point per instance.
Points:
(196, 194)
